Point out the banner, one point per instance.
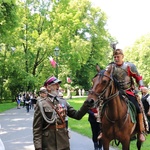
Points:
(69, 80)
(52, 62)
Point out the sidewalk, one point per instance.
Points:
(16, 132)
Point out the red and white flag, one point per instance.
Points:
(52, 61)
(69, 80)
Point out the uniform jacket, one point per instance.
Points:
(44, 136)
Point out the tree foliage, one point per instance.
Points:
(140, 53)
(77, 28)
(8, 18)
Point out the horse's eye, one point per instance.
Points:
(104, 82)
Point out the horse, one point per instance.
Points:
(117, 121)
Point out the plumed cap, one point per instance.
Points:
(116, 49)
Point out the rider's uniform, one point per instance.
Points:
(124, 74)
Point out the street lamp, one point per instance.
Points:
(56, 52)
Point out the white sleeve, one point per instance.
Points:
(148, 100)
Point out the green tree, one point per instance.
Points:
(140, 53)
(8, 18)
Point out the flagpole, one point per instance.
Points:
(56, 51)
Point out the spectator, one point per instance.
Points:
(42, 93)
(146, 100)
(79, 91)
(18, 102)
(24, 100)
(146, 103)
(27, 101)
(83, 91)
(34, 100)
(95, 127)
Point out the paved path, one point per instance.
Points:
(16, 132)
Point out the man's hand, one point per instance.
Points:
(148, 113)
(95, 115)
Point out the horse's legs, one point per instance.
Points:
(105, 142)
(138, 144)
(126, 144)
(125, 147)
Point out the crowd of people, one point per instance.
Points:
(27, 100)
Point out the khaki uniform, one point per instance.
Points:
(49, 131)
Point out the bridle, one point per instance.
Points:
(105, 101)
(100, 95)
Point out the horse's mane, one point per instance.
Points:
(101, 73)
(117, 85)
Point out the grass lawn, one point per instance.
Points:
(83, 126)
(7, 106)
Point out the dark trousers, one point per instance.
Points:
(95, 127)
(27, 107)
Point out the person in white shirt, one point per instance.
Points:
(146, 100)
(146, 103)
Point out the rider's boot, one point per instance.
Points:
(141, 136)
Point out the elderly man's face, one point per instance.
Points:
(53, 89)
(144, 91)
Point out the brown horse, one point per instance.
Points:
(117, 123)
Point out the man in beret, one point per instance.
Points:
(49, 128)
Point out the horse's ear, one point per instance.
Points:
(109, 69)
(98, 68)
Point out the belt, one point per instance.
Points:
(60, 126)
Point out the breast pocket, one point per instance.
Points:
(49, 112)
(48, 109)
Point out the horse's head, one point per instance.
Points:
(101, 82)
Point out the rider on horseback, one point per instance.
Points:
(124, 73)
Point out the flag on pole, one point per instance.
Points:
(52, 62)
(69, 80)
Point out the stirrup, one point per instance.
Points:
(141, 137)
